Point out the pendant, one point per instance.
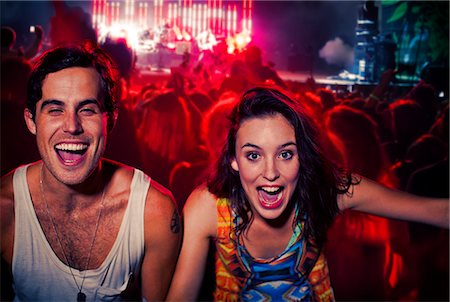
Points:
(81, 297)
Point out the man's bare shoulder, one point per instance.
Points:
(160, 198)
(162, 217)
(7, 216)
(6, 195)
(6, 185)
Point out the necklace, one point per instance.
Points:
(81, 297)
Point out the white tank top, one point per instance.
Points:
(38, 273)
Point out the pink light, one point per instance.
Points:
(161, 11)
(179, 13)
(130, 11)
(205, 17)
(189, 18)
(214, 16)
(249, 16)
(199, 18)
(194, 19)
(184, 15)
(117, 12)
(220, 16)
(111, 13)
(108, 9)
(229, 21)
(94, 13)
(175, 15)
(208, 14)
(146, 14)
(234, 19)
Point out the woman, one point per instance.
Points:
(270, 204)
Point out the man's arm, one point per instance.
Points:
(162, 233)
(6, 235)
(373, 198)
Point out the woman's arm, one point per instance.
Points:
(200, 224)
(373, 198)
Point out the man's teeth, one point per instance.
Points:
(71, 147)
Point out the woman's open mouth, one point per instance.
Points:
(270, 197)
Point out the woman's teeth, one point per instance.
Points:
(270, 197)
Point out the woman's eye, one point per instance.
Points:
(252, 156)
(286, 155)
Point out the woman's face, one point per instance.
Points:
(268, 163)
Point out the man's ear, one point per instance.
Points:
(28, 116)
(112, 119)
(234, 165)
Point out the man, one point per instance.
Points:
(75, 225)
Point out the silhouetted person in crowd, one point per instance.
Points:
(425, 95)
(260, 72)
(238, 80)
(431, 244)
(8, 41)
(15, 69)
(187, 175)
(359, 242)
(165, 133)
(407, 122)
(124, 57)
(424, 151)
(70, 25)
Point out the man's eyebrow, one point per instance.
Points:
(60, 103)
(90, 101)
(51, 102)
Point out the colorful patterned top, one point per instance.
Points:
(299, 273)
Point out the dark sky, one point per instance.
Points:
(302, 24)
(278, 25)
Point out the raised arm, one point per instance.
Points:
(371, 197)
(162, 235)
(200, 224)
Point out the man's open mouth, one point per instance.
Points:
(71, 153)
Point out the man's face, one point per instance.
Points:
(70, 125)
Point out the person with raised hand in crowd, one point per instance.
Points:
(76, 226)
(269, 206)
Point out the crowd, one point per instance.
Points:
(174, 130)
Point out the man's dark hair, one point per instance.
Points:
(68, 56)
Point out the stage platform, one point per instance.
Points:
(333, 82)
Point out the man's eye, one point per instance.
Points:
(252, 156)
(54, 110)
(286, 155)
(88, 111)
